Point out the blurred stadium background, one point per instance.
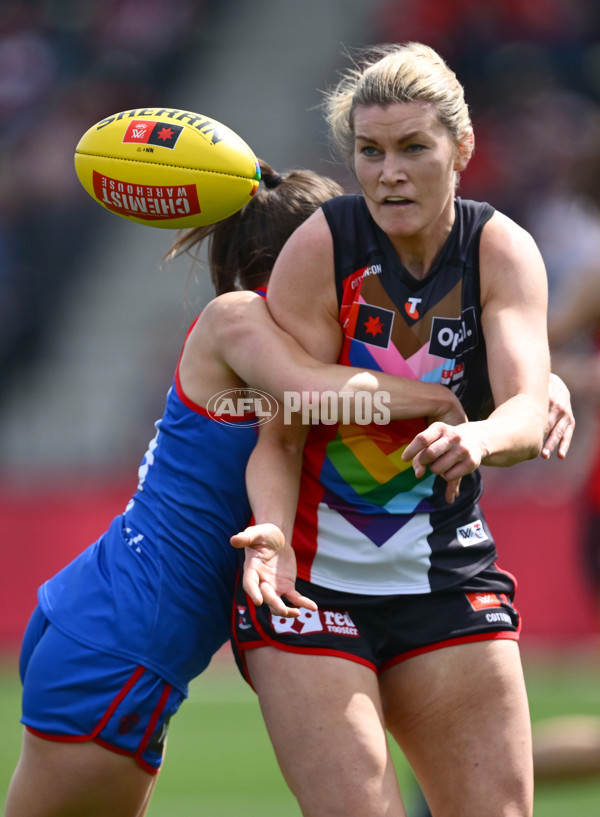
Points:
(91, 322)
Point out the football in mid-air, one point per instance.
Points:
(166, 167)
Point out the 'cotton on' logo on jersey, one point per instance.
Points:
(471, 534)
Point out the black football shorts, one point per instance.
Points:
(380, 631)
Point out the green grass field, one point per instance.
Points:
(220, 764)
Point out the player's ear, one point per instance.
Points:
(466, 146)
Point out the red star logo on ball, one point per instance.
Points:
(165, 134)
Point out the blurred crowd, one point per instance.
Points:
(64, 65)
(531, 73)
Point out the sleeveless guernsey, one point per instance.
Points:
(365, 523)
(156, 588)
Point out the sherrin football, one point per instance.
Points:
(166, 168)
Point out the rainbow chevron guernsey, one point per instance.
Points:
(365, 523)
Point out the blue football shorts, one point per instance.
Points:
(72, 693)
(381, 631)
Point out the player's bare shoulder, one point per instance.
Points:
(303, 281)
(224, 321)
(509, 258)
(503, 239)
(305, 252)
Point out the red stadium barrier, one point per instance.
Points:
(41, 530)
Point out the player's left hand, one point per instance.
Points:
(561, 421)
(449, 451)
(270, 570)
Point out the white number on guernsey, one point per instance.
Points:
(147, 461)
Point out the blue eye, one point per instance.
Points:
(369, 150)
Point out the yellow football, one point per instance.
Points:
(166, 167)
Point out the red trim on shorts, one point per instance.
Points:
(93, 735)
(101, 723)
(162, 702)
(516, 584)
(118, 751)
(507, 573)
(58, 738)
(511, 635)
(87, 739)
(122, 694)
(269, 641)
(251, 645)
(234, 636)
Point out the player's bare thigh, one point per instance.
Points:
(461, 716)
(54, 779)
(324, 718)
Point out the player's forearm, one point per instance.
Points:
(352, 391)
(405, 398)
(273, 480)
(513, 432)
(270, 360)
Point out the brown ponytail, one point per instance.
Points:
(243, 247)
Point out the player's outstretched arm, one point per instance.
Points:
(270, 570)
(273, 480)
